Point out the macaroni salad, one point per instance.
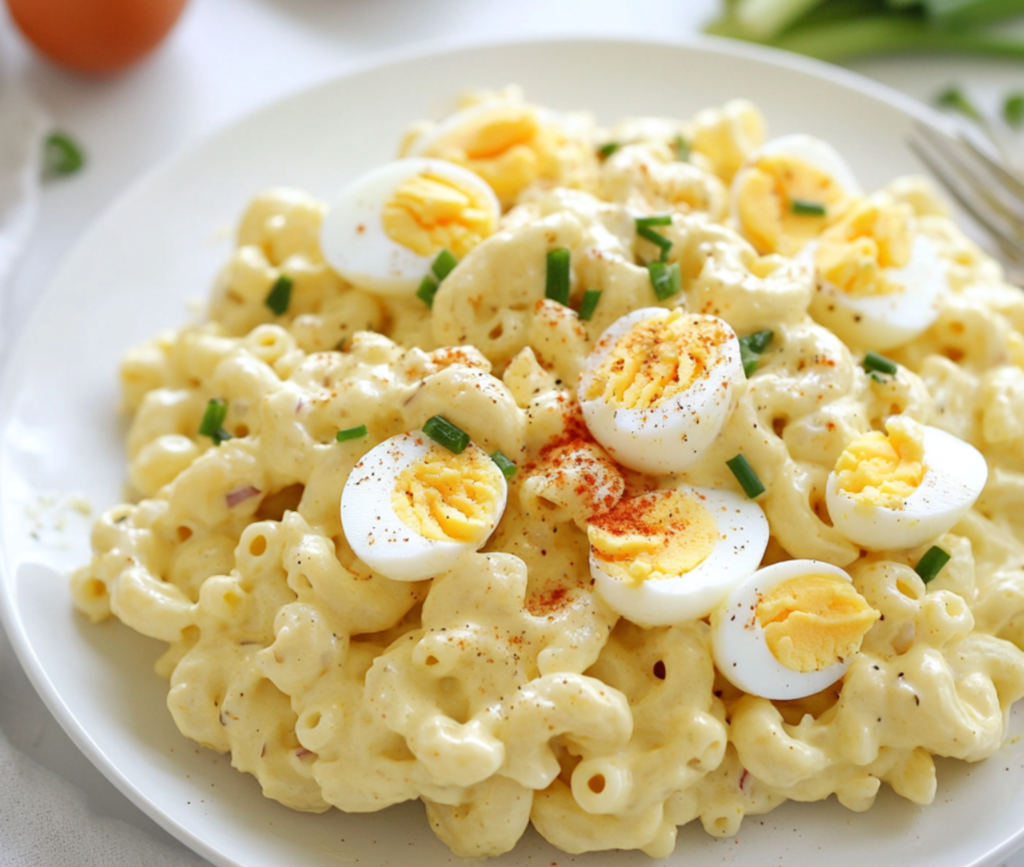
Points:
(600, 478)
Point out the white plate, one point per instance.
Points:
(162, 243)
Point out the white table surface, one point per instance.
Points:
(225, 58)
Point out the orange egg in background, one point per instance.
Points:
(95, 36)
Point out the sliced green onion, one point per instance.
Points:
(62, 156)
(212, 425)
(280, 295)
(444, 264)
(589, 304)
(351, 433)
(444, 433)
(682, 147)
(644, 228)
(660, 220)
(665, 279)
(931, 563)
(1013, 110)
(746, 476)
(507, 467)
(875, 362)
(663, 243)
(807, 209)
(427, 291)
(606, 150)
(751, 348)
(956, 100)
(557, 281)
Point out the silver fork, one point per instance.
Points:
(984, 186)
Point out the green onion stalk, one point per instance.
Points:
(838, 30)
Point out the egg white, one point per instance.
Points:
(667, 438)
(882, 322)
(352, 236)
(954, 477)
(743, 538)
(738, 643)
(378, 536)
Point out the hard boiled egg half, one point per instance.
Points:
(658, 385)
(879, 283)
(385, 229)
(508, 143)
(673, 555)
(790, 630)
(788, 191)
(411, 508)
(905, 487)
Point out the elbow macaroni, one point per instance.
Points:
(506, 691)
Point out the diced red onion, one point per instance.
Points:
(241, 495)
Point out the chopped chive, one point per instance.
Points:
(644, 228)
(1013, 110)
(508, 468)
(444, 264)
(557, 281)
(746, 476)
(212, 425)
(427, 291)
(682, 147)
(807, 209)
(931, 563)
(663, 243)
(62, 156)
(351, 433)
(661, 220)
(589, 304)
(875, 362)
(751, 348)
(607, 149)
(665, 279)
(280, 295)
(444, 433)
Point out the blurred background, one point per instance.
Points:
(96, 93)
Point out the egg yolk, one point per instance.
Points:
(447, 497)
(428, 213)
(813, 621)
(765, 198)
(883, 470)
(508, 147)
(654, 536)
(656, 360)
(854, 253)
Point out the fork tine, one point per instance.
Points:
(985, 188)
(1013, 182)
(1010, 247)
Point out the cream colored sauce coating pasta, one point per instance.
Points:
(506, 691)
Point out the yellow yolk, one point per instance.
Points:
(507, 147)
(853, 253)
(448, 497)
(813, 621)
(655, 360)
(765, 197)
(428, 213)
(881, 470)
(651, 537)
